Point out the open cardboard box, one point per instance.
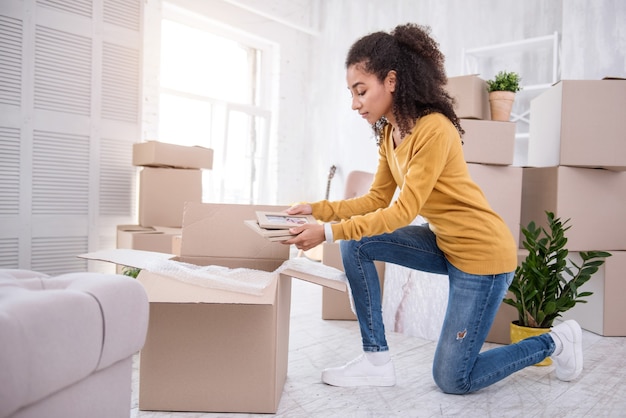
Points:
(208, 349)
(148, 238)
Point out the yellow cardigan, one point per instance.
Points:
(430, 170)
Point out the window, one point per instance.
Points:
(210, 95)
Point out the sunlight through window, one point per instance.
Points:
(200, 63)
(209, 98)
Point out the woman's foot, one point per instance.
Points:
(569, 357)
(360, 372)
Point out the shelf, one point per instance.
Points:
(477, 61)
(535, 87)
(524, 45)
(471, 56)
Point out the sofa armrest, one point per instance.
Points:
(125, 307)
(55, 336)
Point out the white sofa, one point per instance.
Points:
(67, 342)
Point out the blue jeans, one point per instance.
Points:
(459, 366)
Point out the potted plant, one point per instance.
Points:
(130, 271)
(547, 283)
(502, 91)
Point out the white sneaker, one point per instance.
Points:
(569, 362)
(360, 372)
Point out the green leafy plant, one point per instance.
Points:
(130, 271)
(505, 81)
(547, 283)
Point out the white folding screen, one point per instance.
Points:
(70, 97)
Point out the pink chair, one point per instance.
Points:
(357, 184)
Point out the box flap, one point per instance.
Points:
(333, 284)
(135, 228)
(138, 229)
(127, 257)
(315, 272)
(218, 230)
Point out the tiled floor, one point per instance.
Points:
(532, 392)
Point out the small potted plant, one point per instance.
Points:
(502, 91)
(547, 283)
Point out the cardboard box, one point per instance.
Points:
(236, 346)
(488, 142)
(214, 351)
(500, 332)
(336, 303)
(163, 193)
(161, 154)
(210, 349)
(177, 243)
(148, 238)
(604, 312)
(579, 123)
(502, 186)
(593, 200)
(471, 97)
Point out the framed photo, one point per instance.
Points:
(269, 234)
(281, 220)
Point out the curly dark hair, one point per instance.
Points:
(420, 73)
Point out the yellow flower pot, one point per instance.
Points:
(518, 333)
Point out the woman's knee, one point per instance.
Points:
(449, 382)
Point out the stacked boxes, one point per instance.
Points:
(163, 192)
(170, 176)
(577, 158)
(577, 154)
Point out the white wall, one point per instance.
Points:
(594, 39)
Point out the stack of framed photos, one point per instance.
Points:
(274, 226)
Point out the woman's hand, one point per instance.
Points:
(300, 209)
(308, 235)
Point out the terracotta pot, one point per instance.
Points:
(518, 333)
(501, 104)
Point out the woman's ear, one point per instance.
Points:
(390, 81)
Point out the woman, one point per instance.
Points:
(397, 83)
